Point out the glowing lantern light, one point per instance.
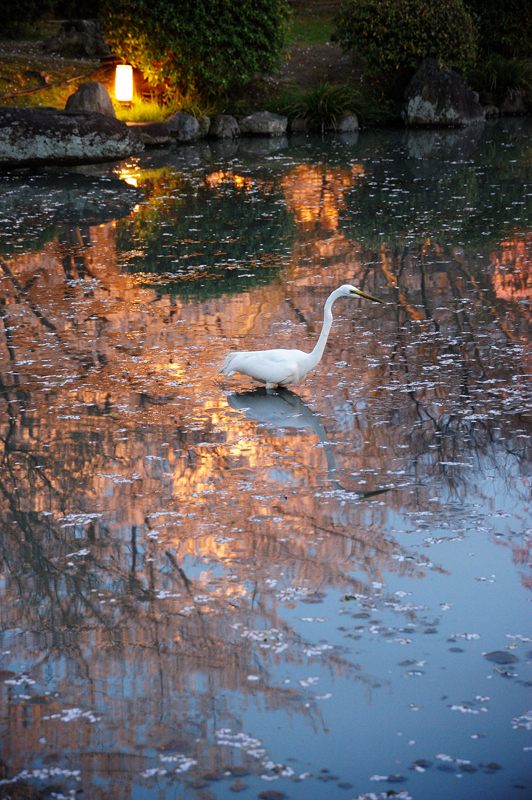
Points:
(124, 83)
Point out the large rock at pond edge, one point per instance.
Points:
(78, 38)
(39, 136)
(152, 134)
(184, 127)
(437, 96)
(91, 97)
(264, 123)
(224, 126)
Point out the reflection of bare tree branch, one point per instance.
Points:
(21, 293)
(9, 337)
(125, 614)
(455, 324)
(179, 570)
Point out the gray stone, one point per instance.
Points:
(204, 125)
(224, 126)
(152, 134)
(501, 657)
(78, 38)
(491, 111)
(156, 134)
(299, 125)
(438, 96)
(184, 127)
(37, 136)
(264, 123)
(91, 97)
(347, 124)
(349, 137)
(513, 103)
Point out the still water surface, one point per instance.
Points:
(207, 590)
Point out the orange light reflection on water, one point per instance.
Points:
(119, 439)
(315, 193)
(513, 269)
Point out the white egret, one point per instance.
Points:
(282, 367)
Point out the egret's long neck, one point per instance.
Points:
(316, 354)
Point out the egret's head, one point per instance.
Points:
(352, 291)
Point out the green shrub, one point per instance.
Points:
(500, 76)
(320, 107)
(19, 16)
(394, 36)
(308, 30)
(76, 9)
(208, 46)
(504, 28)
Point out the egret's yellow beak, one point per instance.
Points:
(367, 296)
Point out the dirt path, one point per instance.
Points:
(308, 66)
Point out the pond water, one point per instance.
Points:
(208, 590)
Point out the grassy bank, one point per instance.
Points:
(31, 77)
(316, 81)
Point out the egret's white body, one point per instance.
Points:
(281, 367)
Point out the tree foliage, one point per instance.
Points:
(76, 9)
(394, 36)
(504, 28)
(18, 15)
(208, 46)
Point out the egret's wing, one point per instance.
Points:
(266, 366)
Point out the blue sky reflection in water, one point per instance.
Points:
(207, 590)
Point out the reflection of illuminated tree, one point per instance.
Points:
(458, 387)
(227, 234)
(315, 194)
(143, 515)
(136, 603)
(512, 278)
(35, 209)
(115, 604)
(448, 200)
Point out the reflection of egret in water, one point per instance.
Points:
(285, 409)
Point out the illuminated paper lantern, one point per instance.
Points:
(124, 83)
